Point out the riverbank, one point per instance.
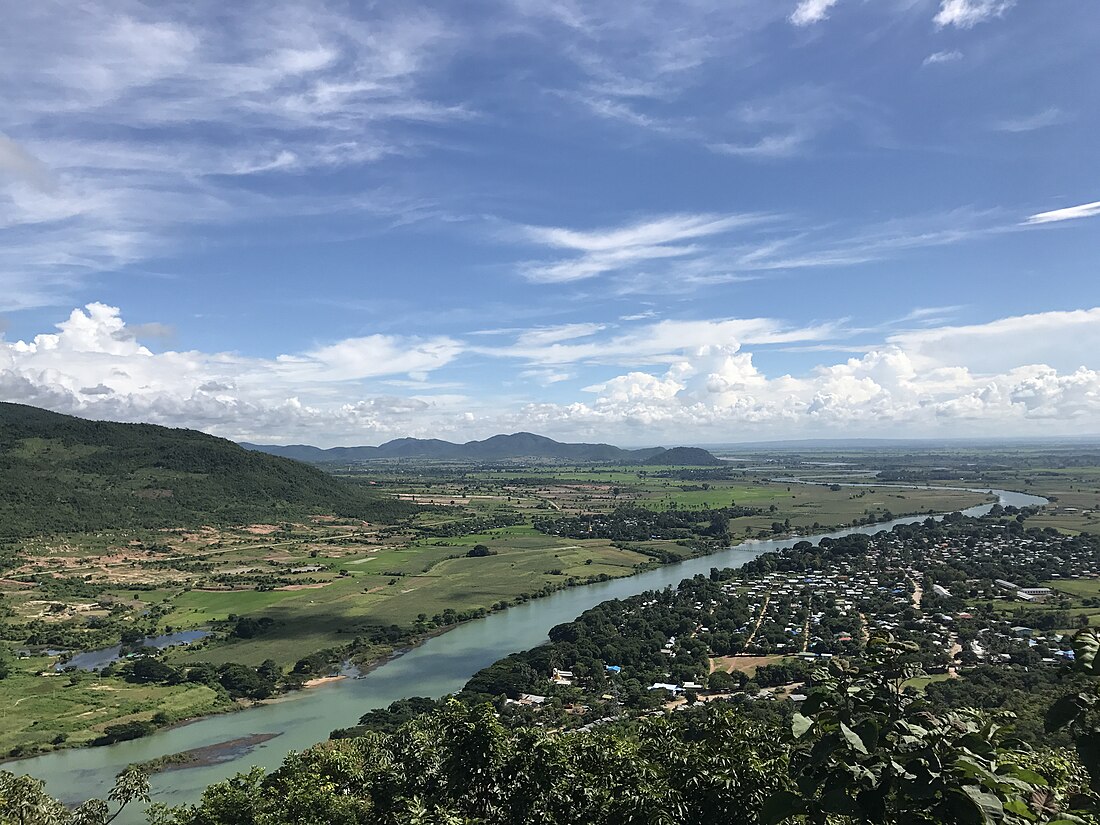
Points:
(377, 656)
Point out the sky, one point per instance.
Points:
(675, 222)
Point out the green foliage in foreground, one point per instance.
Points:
(461, 765)
(863, 749)
(23, 802)
(867, 750)
(60, 474)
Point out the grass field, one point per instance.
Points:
(313, 619)
(922, 682)
(1081, 588)
(45, 710)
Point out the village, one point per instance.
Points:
(979, 593)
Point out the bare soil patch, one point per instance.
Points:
(261, 529)
(746, 664)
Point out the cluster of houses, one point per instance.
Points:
(821, 613)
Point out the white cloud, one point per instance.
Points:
(811, 11)
(1029, 123)
(938, 58)
(1013, 376)
(681, 253)
(1063, 340)
(1069, 213)
(615, 249)
(769, 146)
(967, 13)
(207, 108)
(664, 382)
(94, 365)
(785, 123)
(662, 342)
(552, 335)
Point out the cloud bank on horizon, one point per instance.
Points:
(1019, 374)
(699, 220)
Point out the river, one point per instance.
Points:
(441, 665)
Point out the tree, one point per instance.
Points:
(152, 669)
(24, 801)
(242, 681)
(1080, 712)
(870, 751)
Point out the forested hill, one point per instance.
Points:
(497, 448)
(685, 457)
(64, 474)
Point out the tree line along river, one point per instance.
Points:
(441, 665)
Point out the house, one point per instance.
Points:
(1034, 592)
(527, 699)
(561, 677)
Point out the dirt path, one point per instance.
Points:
(759, 620)
(918, 592)
(954, 650)
(806, 628)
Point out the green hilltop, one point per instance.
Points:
(61, 474)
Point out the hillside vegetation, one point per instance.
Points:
(60, 474)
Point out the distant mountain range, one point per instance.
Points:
(497, 448)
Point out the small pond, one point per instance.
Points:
(99, 659)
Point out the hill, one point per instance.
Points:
(60, 474)
(686, 457)
(496, 448)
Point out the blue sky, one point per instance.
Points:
(689, 221)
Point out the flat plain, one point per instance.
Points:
(332, 584)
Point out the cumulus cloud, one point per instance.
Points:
(967, 13)
(659, 382)
(94, 365)
(1033, 374)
